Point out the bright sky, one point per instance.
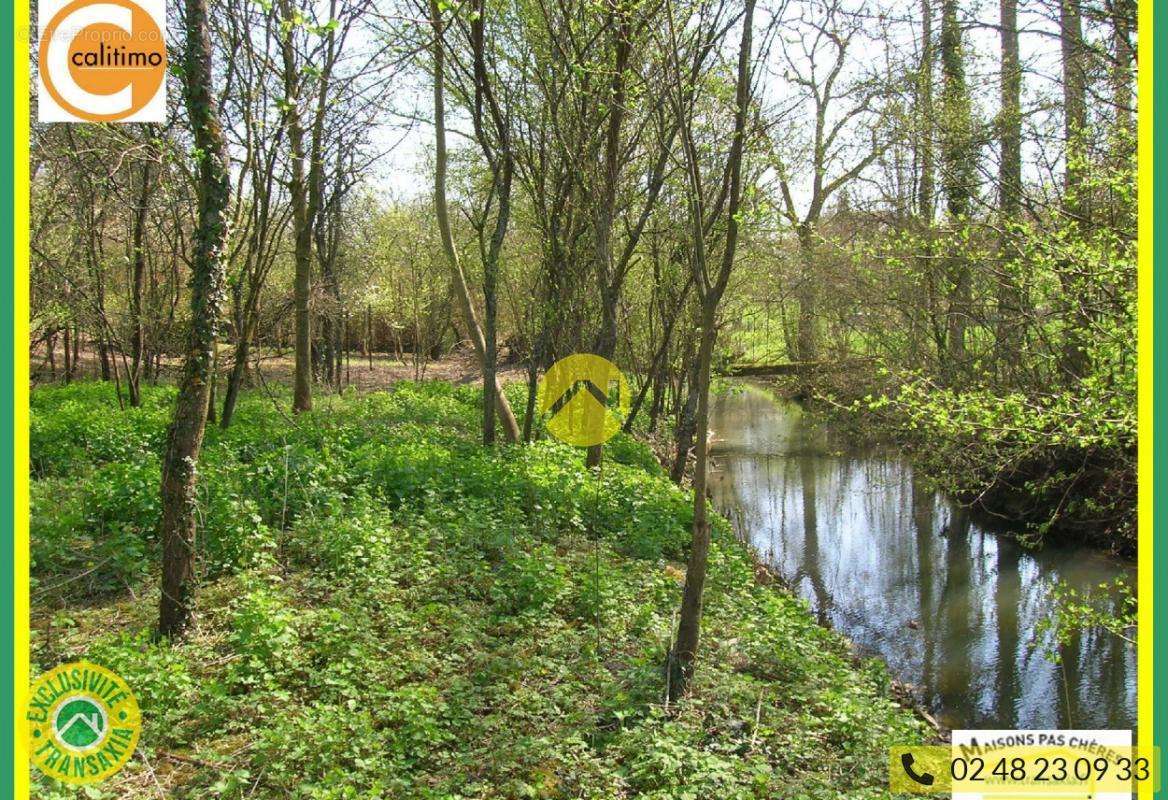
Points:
(407, 140)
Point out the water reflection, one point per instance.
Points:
(951, 606)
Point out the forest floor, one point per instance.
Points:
(387, 609)
(366, 374)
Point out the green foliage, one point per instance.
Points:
(71, 427)
(1061, 462)
(389, 610)
(1109, 607)
(998, 344)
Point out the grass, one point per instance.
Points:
(387, 610)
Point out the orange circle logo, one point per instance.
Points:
(102, 60)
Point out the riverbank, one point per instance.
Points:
(389, 610)
(1050, 468)
(964, 616)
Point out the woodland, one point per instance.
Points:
(289, 473)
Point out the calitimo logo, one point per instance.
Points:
(102, 61)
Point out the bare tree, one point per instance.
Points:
(840, 105)
(710, 285)
(474, 330)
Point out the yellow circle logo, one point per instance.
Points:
(586, 398)
(83, 723)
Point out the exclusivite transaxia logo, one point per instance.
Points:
(102, 61)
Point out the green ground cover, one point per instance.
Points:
(387, 610)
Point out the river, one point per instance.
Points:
(950, 604)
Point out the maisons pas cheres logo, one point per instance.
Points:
(83, 722)
(102, 61)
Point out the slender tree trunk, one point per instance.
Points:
(325, 348)
(1074, 55)
(51, 348)
(686, 426)
(502, 167)
(244, 313)
(959, 173)
(534, 364)
(689, 622)
(76, 347)
(807, 337)
(609, 274)
(1076, 205)
(1123, 19)
(1009, 185)
(369, 334)
(925, 190)
(474, 331)
(656, 366)
(138, 334)
(684, 654)
(491, 386)
(658, 402)
(185, 439)
(103, 354)
(235, 380)
(66, 341)
(1123, 14)
(301, 222)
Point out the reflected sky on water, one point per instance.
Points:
(905, 574)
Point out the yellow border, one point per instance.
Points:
(20, 289)
(1145, 595)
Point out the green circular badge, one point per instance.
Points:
(83, 722)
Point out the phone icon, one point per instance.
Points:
(906, 761)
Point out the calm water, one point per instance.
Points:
(905, 574)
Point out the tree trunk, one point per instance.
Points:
(685, 427)
(50, 349)
(103, 355)
(76, 347)
(66, 340)
(959, 154)
(925, 200)
(807, 337)
(1123, 16)
(235, 380)
(1076, 205)
(1123, 19)
(235, 376)
(1009, 184)
(138, 334)
(474, 331)
(689, 623)
(369, 334)
(301, 222)
(658, 402)
(1074, 55)
(684, 654)
(610, 275)
(185, 439)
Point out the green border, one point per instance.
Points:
(1159, 374)
(7, 408)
